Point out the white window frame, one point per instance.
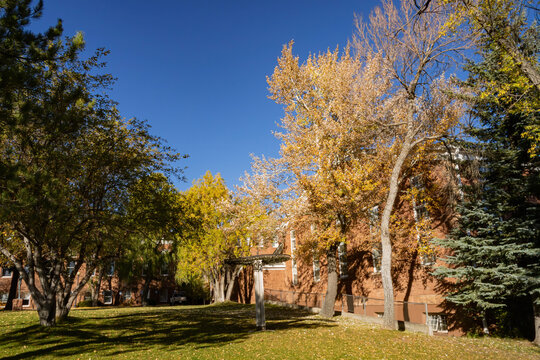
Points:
(4, 297)
(275, 242)
(7, 272)
(106, 296)
(26, 298)
(438, 322)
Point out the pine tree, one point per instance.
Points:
(496, 243)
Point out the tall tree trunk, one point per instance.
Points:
(12, 290)
(327, 310)
(536, 310)
(386, 261)
(233, 273)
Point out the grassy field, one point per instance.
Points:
(227, 332)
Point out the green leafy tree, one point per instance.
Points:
(67, 159)
(154, 218)
(212, 235)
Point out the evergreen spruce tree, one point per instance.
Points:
(496, 243)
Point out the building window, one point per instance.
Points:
(294, 265)
(71, 267)
(107, 297)
(26, 300)
(376, 254)
(374, 221)
(261, 243)
(87, 295)
(127, 294)
(428, 259)
(342, 254)
(275, 242)
(380, 314)
(7, 272)
(437, 323)
(164, 269)
(111, 269)
(4, 297)
(144, 270)
(421, 217)
(316, 269)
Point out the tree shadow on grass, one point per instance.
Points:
(126, 330)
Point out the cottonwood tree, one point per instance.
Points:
(324, 176)
(414, 50)
(210, 236)
(67, 159)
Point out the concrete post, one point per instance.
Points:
(259, 295)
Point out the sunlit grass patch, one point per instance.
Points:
(227, 331)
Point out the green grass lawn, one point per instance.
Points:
(227, 332)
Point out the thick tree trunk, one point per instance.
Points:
(386, 261)
(12, 290)
(536, 309)
(47, 311)
(64, 305)
(327, 310)
(219, 288)
(233, 273)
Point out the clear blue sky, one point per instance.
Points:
(196, 70)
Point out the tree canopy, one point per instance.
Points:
(67, 159)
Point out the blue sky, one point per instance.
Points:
(196, 70)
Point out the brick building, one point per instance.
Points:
(113, 291)
(419, 297)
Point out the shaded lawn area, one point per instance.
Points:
(226, 331)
